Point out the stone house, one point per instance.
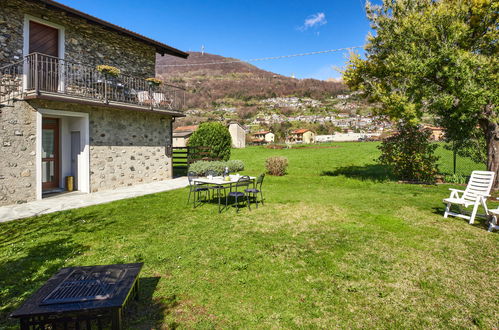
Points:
(238, 135)
(182, 134)
(60, 116)
(301, 135)
(263, 137)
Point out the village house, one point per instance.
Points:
(62, 116)
(182, 134)
(238, 135)
(263, 137)
(301, 135)
(437, 133)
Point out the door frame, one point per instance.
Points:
(57, 150)
(84, 160)
(61, 45)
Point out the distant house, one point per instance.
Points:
(263, 137)
(182, 134)
(437, 133)
(238, 135)
(301, 135)
(344, 137)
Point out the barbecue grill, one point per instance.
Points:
(82, 298)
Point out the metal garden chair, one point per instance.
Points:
(195, 188)
(257, 189)
(219, 189)
(238, 193)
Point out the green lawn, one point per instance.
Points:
(337, 245)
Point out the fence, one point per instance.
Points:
(451, 163)
(182, 157)
(39, 73)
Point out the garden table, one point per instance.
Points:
(220, 181)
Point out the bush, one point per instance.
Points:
(410, 154)
(213, 135)
(456, 178)
(235, 165)
(276, 165)
(202, 166)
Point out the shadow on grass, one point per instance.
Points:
(34, 249)
(22, 276)
(149, 311)
(374, 172)
(18, 231)
(480, 222)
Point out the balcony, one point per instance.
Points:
(47, 77)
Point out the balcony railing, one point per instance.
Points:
(39, 74)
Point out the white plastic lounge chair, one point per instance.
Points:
(476, 193)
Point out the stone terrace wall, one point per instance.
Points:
(84, 42)
(126, 147)
(17, 154)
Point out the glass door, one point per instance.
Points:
(50, 153)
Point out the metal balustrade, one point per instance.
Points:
(39, 74)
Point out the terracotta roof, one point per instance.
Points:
(161, 48)
(433, 128)
(182, 134)
(262, 133)
(300, 131)
(191, 128)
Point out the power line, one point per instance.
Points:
(264, 58)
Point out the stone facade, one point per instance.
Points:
(84, 42)
(17, 154)
(126, 148)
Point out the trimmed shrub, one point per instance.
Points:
(410, 154)
(202, 166)
(276, 165)
(213, 135)
(235, 165)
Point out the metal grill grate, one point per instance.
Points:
(81, 286)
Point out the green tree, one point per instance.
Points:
(213, 135)
(438, 57)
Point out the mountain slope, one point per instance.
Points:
(235, 84)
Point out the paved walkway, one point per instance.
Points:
(76, 199)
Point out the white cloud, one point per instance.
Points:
(314, 21)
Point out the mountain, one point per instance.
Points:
(236, 84)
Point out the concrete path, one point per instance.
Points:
(76, 199)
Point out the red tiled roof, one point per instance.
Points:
(186, 128)
(300, 131)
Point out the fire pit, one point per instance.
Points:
(81, 297)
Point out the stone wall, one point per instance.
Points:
(84, 42)
(17, 154)
(126, 147)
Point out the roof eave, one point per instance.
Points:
(161, 48)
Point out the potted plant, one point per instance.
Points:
(108, 70)
(154, 82)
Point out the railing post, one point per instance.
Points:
(151, 97)
(37, 89)
(106, 100)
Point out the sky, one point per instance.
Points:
(246, 29)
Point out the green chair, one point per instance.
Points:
(257, 189)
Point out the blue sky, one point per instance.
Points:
(246, 29)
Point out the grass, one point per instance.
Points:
(338, 245)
